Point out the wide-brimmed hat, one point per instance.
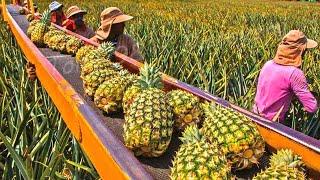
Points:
(55, 5)
(109, 16)
(73, 10)
(291, 48)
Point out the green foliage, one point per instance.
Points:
(34, 141)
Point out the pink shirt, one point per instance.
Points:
(277, 85)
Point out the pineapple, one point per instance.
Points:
(280, 172)
(99, 64)
(186, 108)
(49, 34)
(59, 42)
(198, 159)
(32, 24)
(154, 79)
(283, 165)
(73, 45)
(40, 29)
(148, 122)
(105, 50)
(83, 51)
(129, 96)
(93, 80)
(108, 96)
(288, 158)
(237, 136)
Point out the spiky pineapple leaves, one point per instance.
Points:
(150, 77)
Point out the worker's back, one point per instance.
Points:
(273, 90)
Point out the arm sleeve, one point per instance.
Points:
(299, 86)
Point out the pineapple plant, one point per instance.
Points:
(109, 94)
(186, 108)
(283, 165)
(83, 51)
(105, 50)
(73, 45)
(32, 24)
(237, 136)
(199, 159)
(99, 64)
(93, 80)
(148, 122)
(40, 29)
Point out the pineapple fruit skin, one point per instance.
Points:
(198, 159)
(92, 81)
(73, 45)
(109, 94)
(281, 172)
(31, 27)
(105, 50)
(236, 135)
(148, 124)
(283, 165)
(47, 36)
(129, 96)
(99, 64)
(40, 29)
(83, 51)
(186, 108)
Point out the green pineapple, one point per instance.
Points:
(198, 159)
(59, 42)
(186, 108)
(40, 29)
(108, 96)
(48, 35)
(148, 122)
(237, 136)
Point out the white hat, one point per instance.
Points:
(54, 6)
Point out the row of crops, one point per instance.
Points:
(34, 141)
(219, 46)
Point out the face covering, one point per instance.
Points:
(78, 21)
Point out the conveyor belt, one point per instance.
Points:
(70, 70)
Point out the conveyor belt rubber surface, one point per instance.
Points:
(70, 70)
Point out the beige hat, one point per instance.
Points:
(73, 10)
(109, 16)
(291, 48)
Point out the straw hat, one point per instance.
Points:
(54, 6)
(73, 10)
(291, 48)
(109, 16)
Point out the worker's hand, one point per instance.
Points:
(31, 71)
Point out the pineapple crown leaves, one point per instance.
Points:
(107, 48)
(45, 17)
(288, 158)
(191, 135)
(150, 77)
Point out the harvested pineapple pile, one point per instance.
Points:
(226, 140)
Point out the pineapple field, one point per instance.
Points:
(172, 132)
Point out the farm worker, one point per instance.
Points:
(75, 22)
(281, 78)
(25, 7)
(111, 29)
(57, 15)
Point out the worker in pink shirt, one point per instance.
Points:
(281, 79)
